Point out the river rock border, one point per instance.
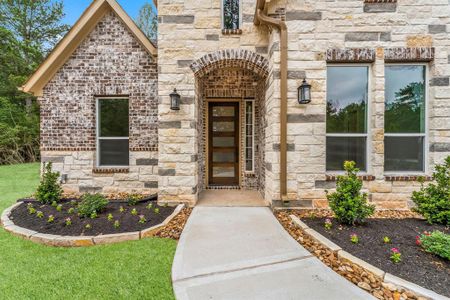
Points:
(79, 241)
(388, 281)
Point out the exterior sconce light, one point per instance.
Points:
(63, 178)
(174, 100)
(304, 93)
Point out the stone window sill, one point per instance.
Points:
(231, 31)
(407, 177)
(110, 170)
(334, 177)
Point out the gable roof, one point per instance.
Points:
(85, 24)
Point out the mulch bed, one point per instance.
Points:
(100, 225)
(417, 266)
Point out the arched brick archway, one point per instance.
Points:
(237, 76)
(231, 58)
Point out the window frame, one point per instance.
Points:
(425, 135)
(223, 16)
(253, 135)
(368, 133)
(97, 132)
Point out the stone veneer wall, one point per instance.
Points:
(191, 29)
(188, 30)
(314, 27)
(109, 62)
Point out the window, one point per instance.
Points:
(112, 132)
(249, 135)
(405, 120)
(347, 110)
(231, 14)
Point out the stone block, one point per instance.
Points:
(304, 118)
(116, 238)
(169, 124)
(298, 222)
(176, 19)
(20, 231)
(147, 162)
(434, 29)
(418, 290)
(166, 172)
(439, 81)
(151, 185)
(440, 147)
(361, 36)
(293, 15)
(212, 37)
(380, 7)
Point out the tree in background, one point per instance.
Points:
(28, 30)
(147, 21)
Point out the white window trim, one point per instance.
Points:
(368, 121)
(253, 136)
(222, 14)
(426, 164)
(97, 133)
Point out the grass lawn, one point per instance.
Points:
(130, 270)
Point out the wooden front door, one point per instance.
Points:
(223, 141)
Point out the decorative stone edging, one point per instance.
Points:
(388, 280)
(79, 241)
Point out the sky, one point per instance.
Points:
(74, 8)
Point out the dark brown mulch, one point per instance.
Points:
(100, 225)
(417, 266)
(176, 225)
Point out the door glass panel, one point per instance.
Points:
(223, 126)
(223, 111)
(223, 157)
(223, 171)
(223, 142)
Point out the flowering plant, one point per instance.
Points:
(328, 224)
(354, 238)
(68, 222)
(142, 219)
(110, 217)
(396, 256)
(51, 218)
(116, 224)
(134, 212)
(386, 240)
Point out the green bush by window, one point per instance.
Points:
(49, 190)
(433, 200)
(91, 205)
(348, 203)
(437, 243)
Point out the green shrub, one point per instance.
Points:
(433, 200)
(133, 199)
(91, 204)
(437, 243)
(49, 190)
(348, 203)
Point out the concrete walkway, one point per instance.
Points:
(244, 253)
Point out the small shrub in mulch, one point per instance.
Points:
(390, 244)
(348, 203)
(436, 242)
(433, 200)
(115, 217)
(49, 189)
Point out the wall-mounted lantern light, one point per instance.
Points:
(304, 93)
(174, 100)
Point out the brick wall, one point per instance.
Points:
(109, 62)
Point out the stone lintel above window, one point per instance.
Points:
(350, 55)
(403, 54)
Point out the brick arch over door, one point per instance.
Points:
(231, 58)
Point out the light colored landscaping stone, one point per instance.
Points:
(298, 222)
(20, 231)
(42, 238)
(368, 267)
(69, 241)
(418, 290)
(323, 240)
(116, 238)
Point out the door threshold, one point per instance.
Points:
(223, 187)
